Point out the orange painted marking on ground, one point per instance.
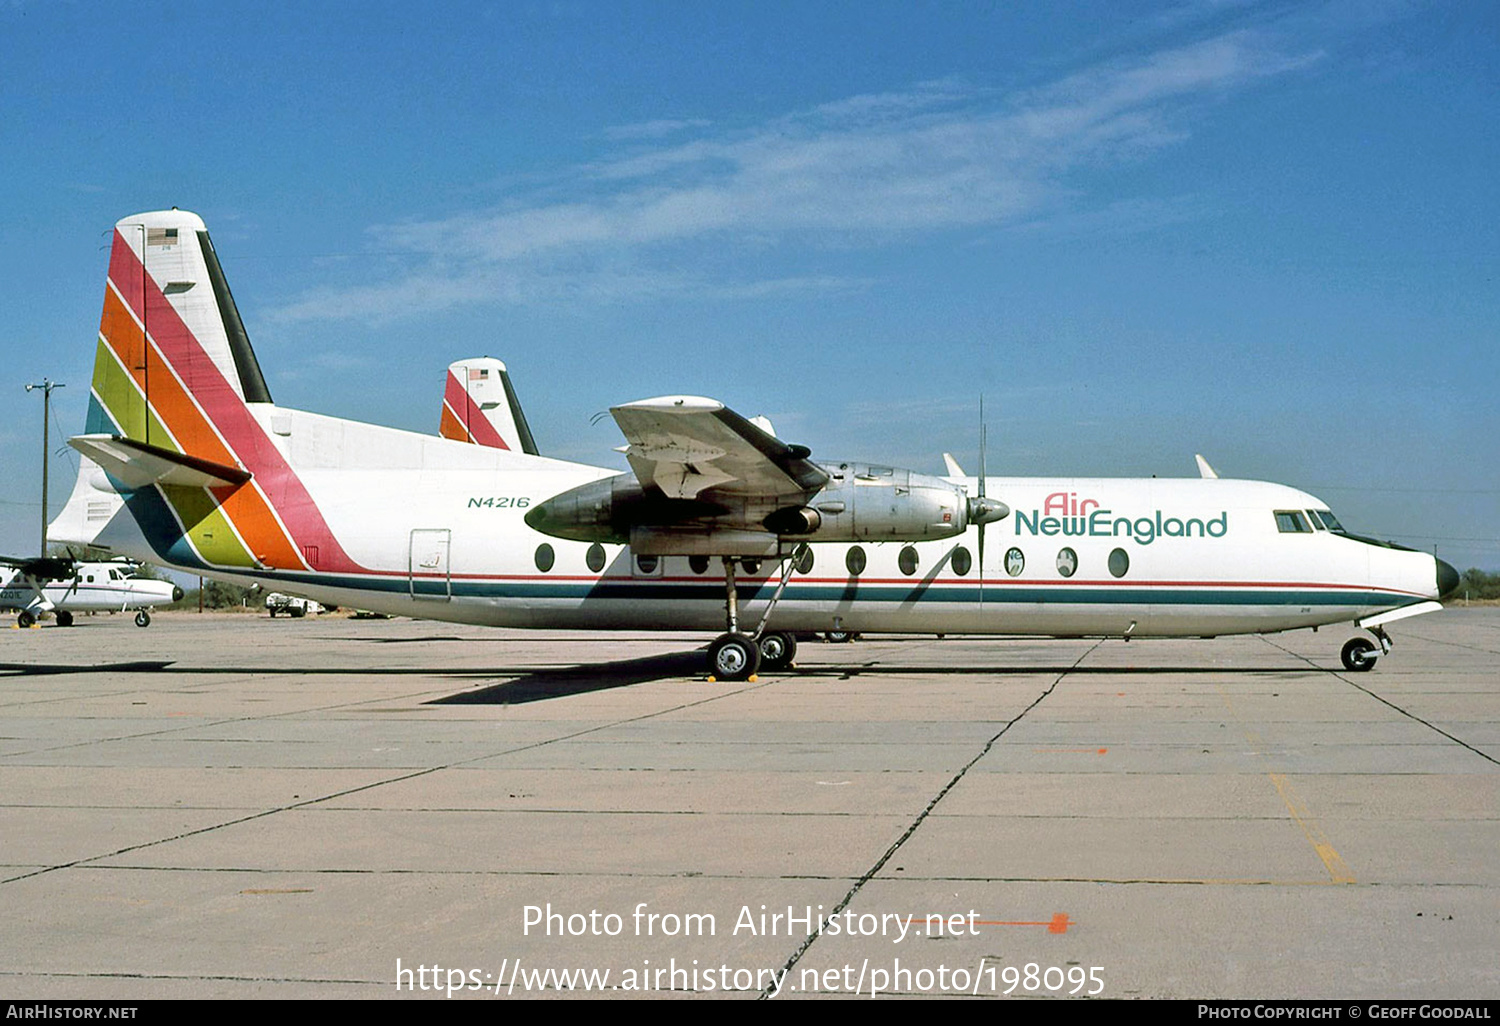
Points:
(1059, 922)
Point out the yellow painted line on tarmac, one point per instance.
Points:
(1338, 870)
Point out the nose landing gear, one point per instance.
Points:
(1359, 654)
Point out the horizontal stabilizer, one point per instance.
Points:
(136, 464)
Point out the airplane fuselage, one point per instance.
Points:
(95, 588)
(434, 528)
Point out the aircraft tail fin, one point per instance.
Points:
(480, 406)
(165, 284)
(181, 462)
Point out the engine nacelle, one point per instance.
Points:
(868, 502)
(861, 502)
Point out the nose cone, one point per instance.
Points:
(1447, 579)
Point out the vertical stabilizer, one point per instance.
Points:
(480, 406)
(165, 283)
(176, 462)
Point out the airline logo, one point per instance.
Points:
(1064, 513)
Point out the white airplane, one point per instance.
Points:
(719, 525)
(65, 587)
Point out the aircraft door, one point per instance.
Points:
(427, 573)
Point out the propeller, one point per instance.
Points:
(984, 510)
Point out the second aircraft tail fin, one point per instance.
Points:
(480, 406)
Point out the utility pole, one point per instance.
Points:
(46, 386)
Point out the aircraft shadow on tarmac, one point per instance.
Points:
(540, 685)
(537, 685)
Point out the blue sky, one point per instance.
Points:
(1262, 231)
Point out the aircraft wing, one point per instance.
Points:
(687, 446)
(41, 568)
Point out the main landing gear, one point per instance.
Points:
(1359, 654)
(738, 656)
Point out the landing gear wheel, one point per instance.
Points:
(64, 618)
(143, 619)
(777, 650)
(1357, 655)
(25, 619)
(733, 657)
(838, 637)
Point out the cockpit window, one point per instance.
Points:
(1291, 521)
(1329, 520)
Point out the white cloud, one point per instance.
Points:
(655, 129)
(853, 173)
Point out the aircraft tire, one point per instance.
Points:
(143, 619)
(838, 637)
(25, 618)
(1356, 655)
(777, 650)
(733, 657)
(64, 618)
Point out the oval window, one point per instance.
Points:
(855, 560)
(907, 561)
(962, 562)
(1067, 562)
(1015, 562)
(646, 564)
(595, 557)
(699, 564)
(804, 560)
(1119, 562)
(545, 557)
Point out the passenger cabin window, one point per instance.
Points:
(545, 557)
(594, 557)
(1291, 521)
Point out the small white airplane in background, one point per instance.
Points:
(64, 587)
(188, 462)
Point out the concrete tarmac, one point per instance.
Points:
(228, 806)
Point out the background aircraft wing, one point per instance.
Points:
(687, 446)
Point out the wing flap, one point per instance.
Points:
(688, 445)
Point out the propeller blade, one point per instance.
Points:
(983, 431)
